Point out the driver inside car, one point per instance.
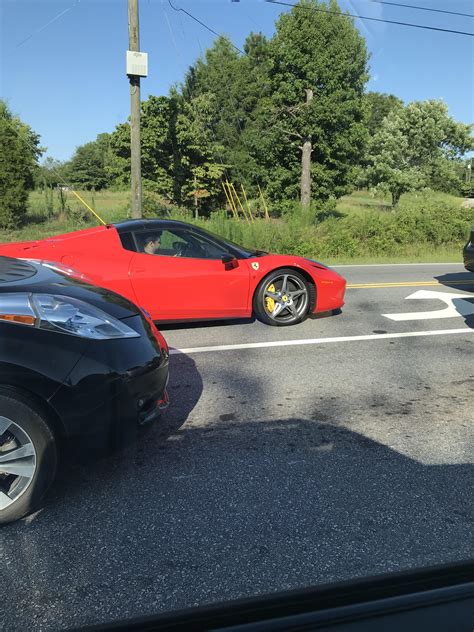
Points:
(152, 243)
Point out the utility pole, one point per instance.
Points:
(306, 162)
(135, 147)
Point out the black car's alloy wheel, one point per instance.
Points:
(28, 455)
(282, 298)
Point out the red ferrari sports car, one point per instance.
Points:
(178, 272)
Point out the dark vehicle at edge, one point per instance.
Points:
(468, 253)
(80, 367)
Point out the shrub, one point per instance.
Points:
(18, 157)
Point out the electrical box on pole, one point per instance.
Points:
(137, 63)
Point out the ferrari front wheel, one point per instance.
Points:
(282, 298)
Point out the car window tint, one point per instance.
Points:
(179, 243)
(157, 243)
(200, 247)
(127, 241)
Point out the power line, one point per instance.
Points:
(418, 8)
(177, 9)
(219, 153)
(362, 17)
(44, 26)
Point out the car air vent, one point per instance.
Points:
(15, 270)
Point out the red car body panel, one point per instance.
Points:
(176, 288)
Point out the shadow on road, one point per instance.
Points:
(184, 388)
(225, 507)
(201, 324)
(236, 321)
(461, 282)
(322, 315)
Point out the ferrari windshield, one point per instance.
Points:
(243, 252)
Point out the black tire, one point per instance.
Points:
(23, 420)
(293, 309)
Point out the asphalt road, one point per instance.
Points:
(343, 450)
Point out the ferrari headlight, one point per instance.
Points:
(62, 314)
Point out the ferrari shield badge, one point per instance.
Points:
(255, 265)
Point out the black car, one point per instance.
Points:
(468, 253)
(79, 365)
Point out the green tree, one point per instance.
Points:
(411, 144)
(378, 106)
(200, 155)
(87, 169)
(51, 173)
(235, 84)
(253, 88)
(19, 153)
(160, 161)
(323, 52)
(216, 76)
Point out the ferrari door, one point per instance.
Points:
(185, 277)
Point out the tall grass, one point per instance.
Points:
(424, 224)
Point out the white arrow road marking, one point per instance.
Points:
(456, 306)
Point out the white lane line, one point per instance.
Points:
(322, 341)
(387, 265)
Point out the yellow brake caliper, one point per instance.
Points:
(269, 302)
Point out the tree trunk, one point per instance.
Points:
(196, 202)
(306, 163)
(396, 194)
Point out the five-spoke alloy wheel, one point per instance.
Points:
(27, 455)
(282, 298)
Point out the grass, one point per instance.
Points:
(359, 202)
(361, 210)
(45, 219)
(419, 255)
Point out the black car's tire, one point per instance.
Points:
(282, 298)
(23, 425)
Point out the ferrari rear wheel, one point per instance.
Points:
(282, 298)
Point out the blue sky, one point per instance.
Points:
(67, 80)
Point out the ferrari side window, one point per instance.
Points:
(157, 242)
(198, 247)
(178, 243)
(127, 241)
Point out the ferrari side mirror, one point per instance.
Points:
(227, 258)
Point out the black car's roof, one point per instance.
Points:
(150, 224)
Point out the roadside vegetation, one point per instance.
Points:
(279, 147)
(427, 226)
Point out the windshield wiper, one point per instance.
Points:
(258, 253)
